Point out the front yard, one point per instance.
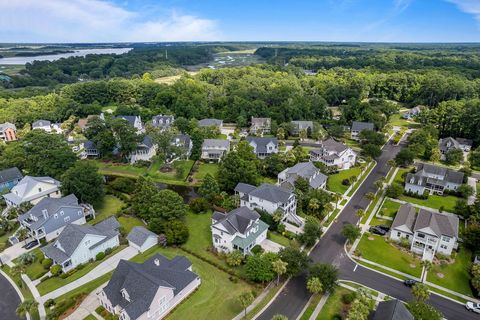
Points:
(447, 203)
(334, 182)
(380, 251)
(334, 307)
(389, 208)
(128, 222)
(35, 270)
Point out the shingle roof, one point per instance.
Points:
(244, 187)
(10, 174)
(130, 119)
(261, 143)
(182, 140)
(302, 125)
(41, 123)
(147, 143)
(392, 310)
(7, 125)
(210, 122)
(360, 126)
(162, 120)
(440, 223)
(405, 218)
(306, 170)
(89, 145)
(139, 235)
(261, 121)
(271, 193)
(28, 183)
(108, 224)
(423, 170)
(237, 220)
(333, 145)
(465, 142)
(215, 144)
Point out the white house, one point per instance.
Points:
(270, 198)
(47, 126)
(32, 189)
(211, 123)
(134, 121)
(260, 125)
(262, 147)
(183, 142)
(447, 144)
(431, 178)
(50, 215)
(299, 126)
(428, 232)
(79, 244)
(412, 113)
(240, 229)
(149, 290)
(334, 153)
(145, 150)
(214, 149)
(305, 170)
(163, 122)
(142, 239)
(358, 127)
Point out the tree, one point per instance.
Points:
(371, 150)
(125, 135)
(245, 300)
(234, 169)
(22, 234)
(26, 306)
(209, 187)
(235, 258)
(280, 268)
(279, 317)
(164, 140)
(351, 232)
(405, 157)
(302, 184)
(26, 258)
(394, 190)
(359, 213)
(465, 191)
(296, 260)
(361, 306)
(436, 155)
(259, 268)
(145, 191)
(281, 133)
(420, 292)
(423, 311)
(303, 134)
(471, 236)
(454, 156)
(392, 163)
(175, 231)
(83, 180)
(314, 285)
(370, 196)
(312, 231)
(326, 273)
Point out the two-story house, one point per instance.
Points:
(260, 126)
(211, 123)
(49, 216)
(447, 144)
(145, 151)
(270, 198)
(148, 290)
(9, 178)
(428, 232)
(32, 189)
(47, 126)
(358, 126)
(412, 113)
(333, 153)
(431, 178)
(79, 244)
(299, 126)
(213, 150)
(183, 142)
(90, 150)
(240, 229)
(262, 147)
(305, 170)
(8, 132)
(134, 121)
(163, 122)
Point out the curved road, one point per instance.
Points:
(293, 298)
(9, 300)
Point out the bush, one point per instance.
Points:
(108, 251)
(394, 191)
(49, 303)
(100, 256)
(348, 297)
(56, 270)
(123, 184)
(199, 205)
(346, 182)
(47, 263)
(257, 249)
(235, 258)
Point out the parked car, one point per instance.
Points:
(31, 244)
(474, 307)
(377, 230)
(384, 227)
(410, 282)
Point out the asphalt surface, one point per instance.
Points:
(293, 298)
(9, 300)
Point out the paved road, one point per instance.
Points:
(293, 298)
(9, 301)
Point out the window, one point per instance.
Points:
(443, 246)
(398, 234)
(446, 239)
(55, 216)
(420, 235)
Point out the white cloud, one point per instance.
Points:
(401, 5)
(95, 21)
(468, 6)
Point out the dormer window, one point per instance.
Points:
(39, 189)
(125, 294)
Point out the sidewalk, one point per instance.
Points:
(319, 306)
(472, 182)
(255, 302)
(36, 295)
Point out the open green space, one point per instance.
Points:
(278, 238)
(334, 305)
(110, 206)
(128, 222)
(455, 275)
(217, 296)
(389, 208)
(397, 120)
(90, 317)
(380, 251)
(204, 169)
(383, 270)
(376, 221)
(54, 283)
(35, 270)
(398, 177)
(445, 202)
(334, 182)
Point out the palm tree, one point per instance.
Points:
(370, 196)
(391, 163)
(279, 267)
(336, 197)
(27, 306)
(27, 258)
(360, 213)
(245, 300)
(329, 208)
(420, 292)
(314, 285)
(22, 234)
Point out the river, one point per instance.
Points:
(53, 57)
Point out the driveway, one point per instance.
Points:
(472, 182)
(11, 253)
(270, 246)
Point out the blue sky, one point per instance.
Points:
(240, 20)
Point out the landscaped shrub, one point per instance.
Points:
(281, 228)
(49, 303)
(346, 182)
(235, 258)
(123, 184)
(56, 270)
(47, 263)
(100, 256)
(348, 298)
(108, 251)
(199, 205)
(257, 249)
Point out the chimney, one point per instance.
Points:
(157, 262)
(45, 213)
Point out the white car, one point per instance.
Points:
(474, 307)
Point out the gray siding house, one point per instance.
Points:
(358, 126)
(211, 123)
(262, 147)
(301, 125)
(305, 170)
(260, 125)
(163, 122)
(431, 178)
(214, 149)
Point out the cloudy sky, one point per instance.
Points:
(239, 20)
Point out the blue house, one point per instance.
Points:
(9, 178)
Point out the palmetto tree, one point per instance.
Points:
(279, 267)
(25, 307)
(314, 285)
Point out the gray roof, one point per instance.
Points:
(331, 145)
(261, 121)
(142, 281)
(448, 143)
(28, 183)
(261, 143)
(162, 121)
(108, 224)
(10, 174)
(244, 187)
(405, 218)
(147, 143)
(465, 142)
(306, 170)
(440, 223)
(237, 220)
(130, 119)
(302, 125)
(360, 126)
(182, 140)
(215, 144)
(271, 193)
(391, 310)
(7, 125)
(89, 145)
(41, 123)
(139, 235)
(210, 122)
(425, 170)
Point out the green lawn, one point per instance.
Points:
(35, 270)
(384, 253)
(376, 221)
(389, 208)
(456, 275)
(109, 207)
(57, 282)
(204, 169)
(334, 305)
(334, 182)
(90, 317)
(434, 201)
(217, 296)
(128, 222)
(278, 238)
(371, 206)
(311, 307)
(397, 120)
(398, 177)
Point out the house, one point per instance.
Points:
(260, 125)
(83, 123)
(305, 170)
(9, 178)
(270, 198)
(334, 153)
(447, 144)
(184, 142)
(8, 132)
(50, 215)
(142, 239)
(163, 122)
(428, 232)
(358, 127)
(214, 149)
(79, 244)
(211, 123)
(240, 229)
(391, 310)
(431, 178)
(412, 113)
(134, 121)
(44, 125)
(262, 147)
(299, 126)
(90, 149)
(145, 150)
(148, 290)
(32, 189)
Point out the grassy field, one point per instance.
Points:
(278, 238)
(398, 177)
(389, 208)
(434, 201)
(384, 253)
(334, 305)
(397, 120)
(334, 182)
(35, 270)
(217, 296)
(456, 275)
(128, 222)
(204, 169)
(376, 221)
(109, 207)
